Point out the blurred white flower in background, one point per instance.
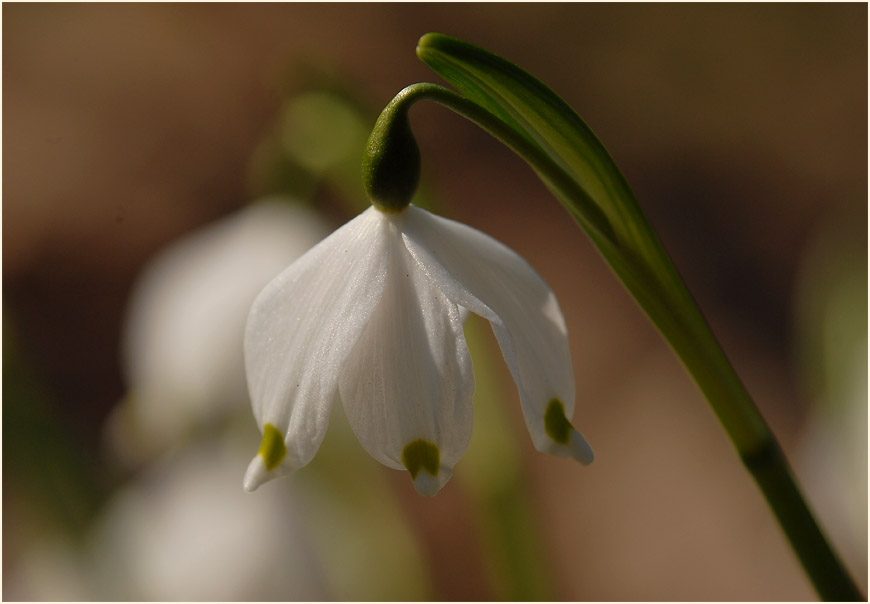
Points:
(184, 530)
(182, 344)
(50, 570)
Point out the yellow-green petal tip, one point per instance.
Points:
(272, 449)
(421, 455)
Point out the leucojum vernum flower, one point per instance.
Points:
(372, 315)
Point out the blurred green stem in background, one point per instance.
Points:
(541, 128)
(494, 477)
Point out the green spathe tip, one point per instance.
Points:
(272, 449)
(421, 455)
(391, 163)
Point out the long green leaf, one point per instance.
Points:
(537, 113)
(556, 142)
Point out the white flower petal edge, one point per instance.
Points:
(481, 274)
(408, 384)
(300, 330)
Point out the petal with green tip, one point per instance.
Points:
(491, 280)
(300, 331)
(409, 377)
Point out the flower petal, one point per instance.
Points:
(477, 272)
(408, 384)
(301, 328)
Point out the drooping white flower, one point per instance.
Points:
(372, 314)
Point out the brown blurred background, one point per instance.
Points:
(741, 128)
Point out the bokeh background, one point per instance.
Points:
(130, 128)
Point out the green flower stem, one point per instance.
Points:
(591, 217)
(661, 292)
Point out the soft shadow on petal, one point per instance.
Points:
(483, 275)
(301, 329)
(408, 384)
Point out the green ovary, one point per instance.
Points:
(556, 424)
(421, 454)
(272, 449)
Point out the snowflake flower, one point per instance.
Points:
(372, 313)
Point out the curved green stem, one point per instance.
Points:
(590, 216)
(654, 281)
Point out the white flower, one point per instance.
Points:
(372, 313)
(186, 318)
